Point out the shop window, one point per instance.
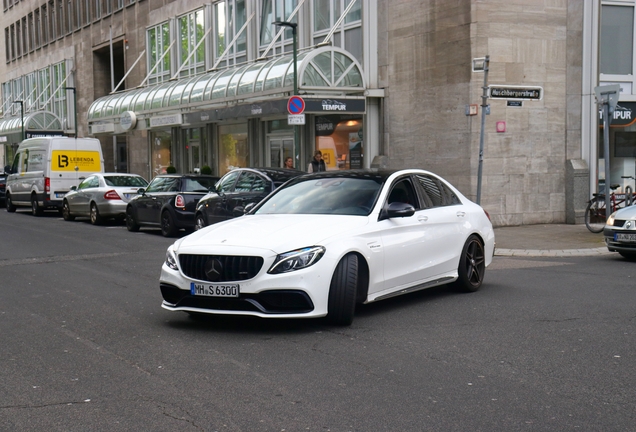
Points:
(339, 138)
(233, 149)
(161, 152)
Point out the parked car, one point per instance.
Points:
(3, 188)
(324, 242)
(45, 168)
(236, 189)
(620, 232)
(168, 202)
(101, 196)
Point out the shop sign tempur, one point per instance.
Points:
(515, 92)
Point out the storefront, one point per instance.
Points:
(622, 147)
(237, 117)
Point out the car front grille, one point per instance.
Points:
(618, 223)
(220, 268)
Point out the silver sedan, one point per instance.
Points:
(101, 196)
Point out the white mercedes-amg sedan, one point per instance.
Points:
(323, 243)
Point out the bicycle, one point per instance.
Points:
(595, 213)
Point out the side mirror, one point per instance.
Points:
(73, 188)
(249, 207)
(141, 191)
(398, 210)
(238, 211)
(7, 169)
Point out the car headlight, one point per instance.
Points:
(171, 259)
(297, 259)
(610, 220)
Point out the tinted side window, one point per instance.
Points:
(402, 191)
(226, 184)
(157, 185)
(438, 193)
(245, 182)
(432, 190)
(195, 185)
(260, 184)
(85, 183)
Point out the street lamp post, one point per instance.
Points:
(293, 26)
(74, 108)
(21, 116)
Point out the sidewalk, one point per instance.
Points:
(548, 240)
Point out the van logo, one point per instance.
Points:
(62, 161)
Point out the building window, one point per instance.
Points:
(44, 89)
(37, 28)
(191, 28)
(98, 9)
(30, 32)
(229, 17)
(277, 10)
(617, 34)
(158, 41)
(58, 84)
(44, 13)
(348, 35)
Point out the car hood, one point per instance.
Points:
(626, 213)
(277, 233)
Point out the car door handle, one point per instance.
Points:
(461, 214)
(422, 218)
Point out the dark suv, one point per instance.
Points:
(236, 190)
(168, 202)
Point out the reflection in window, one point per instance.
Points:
(191, 31)
(233, 149)
(230, 16)
(158, 41)
(349, 34)
(161, 144)
(277, 10)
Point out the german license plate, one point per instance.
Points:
(214, 290)
(60, 194)
(626, 237)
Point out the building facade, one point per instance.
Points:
(380, 83)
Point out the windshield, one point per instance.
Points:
(336, 195)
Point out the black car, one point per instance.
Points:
(168, 202)
(3, 188)
(236, 190)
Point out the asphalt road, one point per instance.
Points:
(547, 344)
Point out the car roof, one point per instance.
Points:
(186, 176)
(275, 174)
(376, 174)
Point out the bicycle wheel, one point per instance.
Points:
(629, 196)
(595, 215)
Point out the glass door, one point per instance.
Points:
(279, 149)
(192, 150)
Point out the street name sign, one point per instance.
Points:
(515, 92)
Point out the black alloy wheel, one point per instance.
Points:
(342, 291)
(472, 265)
(10, 207)
(36, 210)
(168, 229)
(131, 224)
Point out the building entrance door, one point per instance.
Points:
(192, 150)
(279, 149)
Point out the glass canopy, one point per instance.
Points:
(40, 122)
(323, 69)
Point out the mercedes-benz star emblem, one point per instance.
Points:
(213, 269)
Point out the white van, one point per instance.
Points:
(45, 169)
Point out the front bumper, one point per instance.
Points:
(299, 294)
(618, 246)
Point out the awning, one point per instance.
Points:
(39, 123)
(327, 70)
